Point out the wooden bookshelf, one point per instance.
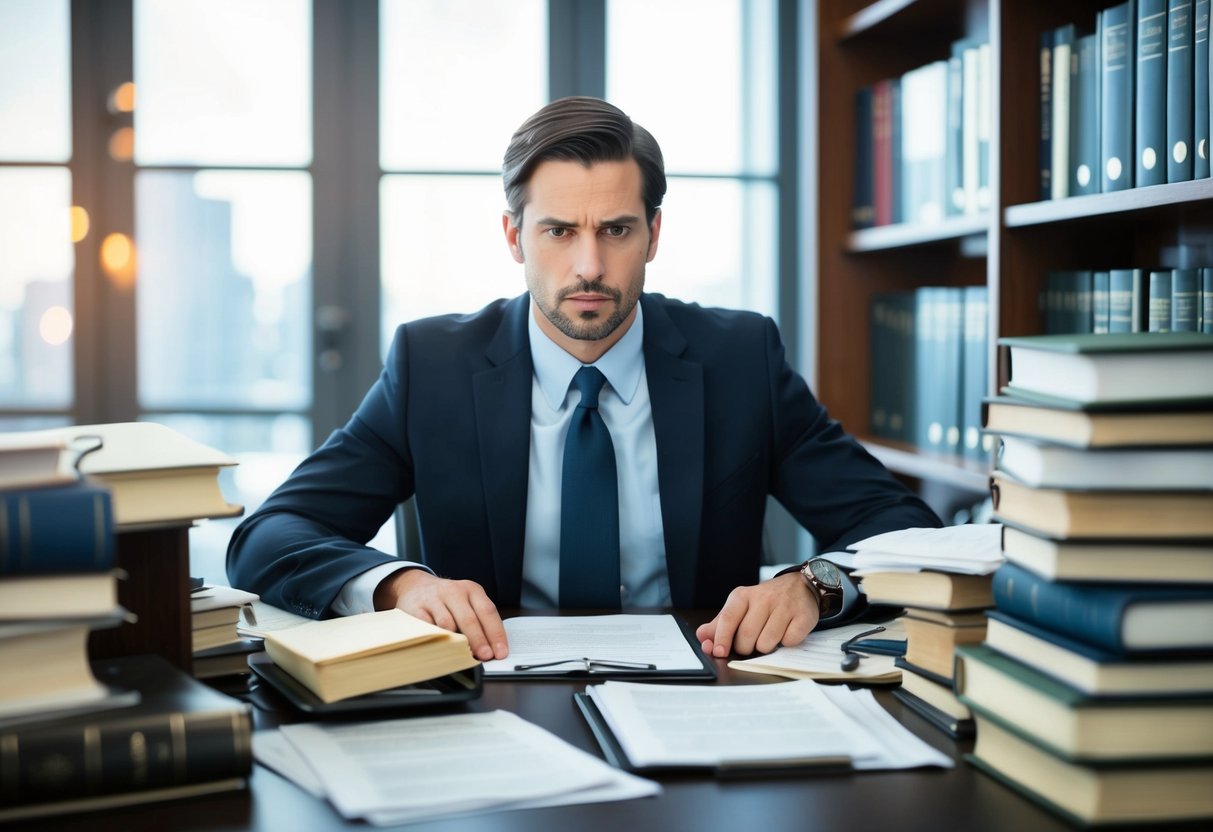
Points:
(1010, 248)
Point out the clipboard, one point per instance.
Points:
(705, 672)
(615, 755)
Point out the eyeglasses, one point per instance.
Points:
(851, 649)
(588, 665)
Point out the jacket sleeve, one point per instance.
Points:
(303, 543)
(833, 487)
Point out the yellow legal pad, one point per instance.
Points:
(343, 657)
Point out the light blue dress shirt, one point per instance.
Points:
(625, 408)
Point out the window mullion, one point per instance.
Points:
(576, 48)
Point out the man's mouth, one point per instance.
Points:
(588, 302)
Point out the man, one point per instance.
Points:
(640, 482)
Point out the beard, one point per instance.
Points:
(589, 326)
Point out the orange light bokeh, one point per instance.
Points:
(80, 223)
(118, 259)
(122, 99)
(122, 144)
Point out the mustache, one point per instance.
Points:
(596, 287)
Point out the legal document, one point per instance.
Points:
(820, 655)
(595, 642)
(407, 770)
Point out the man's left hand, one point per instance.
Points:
(779, 611)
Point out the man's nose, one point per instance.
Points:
(589, 258)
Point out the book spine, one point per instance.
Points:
(1160, 302)
(1061, 608)
(56, 529)
(1185, 294)
(1084, 117)
(985, 123)
(1100, 297)
(1063, 45)
(976, 367)
(1120, 300)
(1116, 104)
(882, 153)
(1083, 320)
(954, 149)
(897, 144)
(1180, 30)
(862, 210)
(1046, 115)
(879, 339)
(1141, 301)
(53, 762)
(970, 107)
(1151, 123)
(1201, 125)
(1206, 300)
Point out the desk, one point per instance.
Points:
(959, 799)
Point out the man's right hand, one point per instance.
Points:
(460, 606)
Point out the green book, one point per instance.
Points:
(1111, 368)
(1077, 726)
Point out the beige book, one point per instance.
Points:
(156, 475)
(343, 657)
(931, 645)
(929, 590)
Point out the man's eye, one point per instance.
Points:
(615, 230)
(558, 232)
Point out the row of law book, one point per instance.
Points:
(922, 141)
(929, 368)
(1127, 300)
(942, 577)
(81, 735)
(1124, 99)
(1093, 690)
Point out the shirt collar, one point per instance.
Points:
(554, 368)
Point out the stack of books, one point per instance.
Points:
(943, 579)
(1093, 693)
(215, 614)
(57, 582)
(78, 735)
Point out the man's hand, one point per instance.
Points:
(461, 606)
(780, 611)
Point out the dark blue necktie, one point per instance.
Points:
(589, 505)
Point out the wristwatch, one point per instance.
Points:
(825, 582)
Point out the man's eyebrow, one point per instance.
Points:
(626, 219)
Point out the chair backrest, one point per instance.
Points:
(408, 533)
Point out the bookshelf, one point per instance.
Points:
(1008, 248)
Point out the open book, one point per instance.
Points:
(344, 657)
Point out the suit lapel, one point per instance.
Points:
(676, 393)
(503, 425)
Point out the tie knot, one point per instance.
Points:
(589, 381)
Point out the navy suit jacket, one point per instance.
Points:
(449, 419)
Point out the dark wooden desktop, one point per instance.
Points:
(928, 800)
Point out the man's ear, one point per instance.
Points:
(654, 233)
(512, 238)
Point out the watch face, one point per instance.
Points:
(825, 572)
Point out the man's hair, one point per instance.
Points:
(585, 130)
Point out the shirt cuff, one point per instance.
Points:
(358, 594)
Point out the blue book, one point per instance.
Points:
(975, 370)
(1124, 300)
(1180, 32)
(1100, 300)
(1159, 317)
(1206, 300)
(1121, 619)
(67, 528)
(1094, 671)
(1084, 116)
(1116, 40)
(863, 212)
(1046, 115)
(1201, 124)
(1151, 101)
(1185, 300)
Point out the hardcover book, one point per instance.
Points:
(1121, 368)
(1097, 672)
(1116, 27)
(1139, 561)
(339, 658)
(1143, 793)
(1180, 30)
(181, 739)
(1151, 101)
(1104, 515)
(1076, 726)
(1043, 465)
(1084, 116)
(62, 528)
(1082, 426)
(931, 590)
(1201, 123)
(1125, 620)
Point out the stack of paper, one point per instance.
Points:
(974, 549)
(408, 770)
(820, 657)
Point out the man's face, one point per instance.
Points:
(584, 244)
